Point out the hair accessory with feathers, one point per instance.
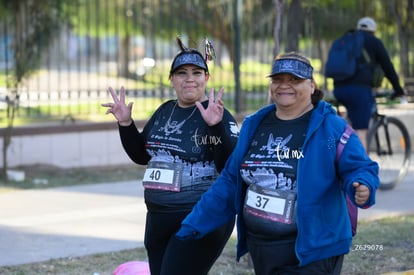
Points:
(209, 50)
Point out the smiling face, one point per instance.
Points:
(291, 93)
(189, 83)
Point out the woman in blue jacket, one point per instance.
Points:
(282, 181)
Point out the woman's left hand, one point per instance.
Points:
(215, 109)
(361, 193)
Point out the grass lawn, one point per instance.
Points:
(380, 247)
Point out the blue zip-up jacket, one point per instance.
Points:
(324, 228)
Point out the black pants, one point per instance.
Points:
(279, 258)
(168, 256)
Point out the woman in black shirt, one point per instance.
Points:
(184, 144)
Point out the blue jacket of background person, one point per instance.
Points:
(324, 228)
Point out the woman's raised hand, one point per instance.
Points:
(118, 108)
(215, 109)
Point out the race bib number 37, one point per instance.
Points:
(274, 205)
(163, 176)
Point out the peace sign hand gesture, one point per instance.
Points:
(118, 108)
(215, 109)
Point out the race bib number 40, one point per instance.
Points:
(163, 176)
(274, 205)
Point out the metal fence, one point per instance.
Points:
(131, 43)
(130, 46)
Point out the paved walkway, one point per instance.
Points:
(37, 225)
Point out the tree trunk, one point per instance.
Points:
(13, 95)
(124, 50)
(295, 24)
(403, 33)
(12, 104)
(6, 143)
(278, 5)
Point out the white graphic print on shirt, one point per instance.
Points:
(272, 159)
(173, 138)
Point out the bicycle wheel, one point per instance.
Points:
(389, 144)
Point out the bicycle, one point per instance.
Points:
(388, 143)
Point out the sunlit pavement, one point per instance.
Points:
(37, 225)
(398, 200)
(393, 202)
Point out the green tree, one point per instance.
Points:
(34, 24)
(402, 15)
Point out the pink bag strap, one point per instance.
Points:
(343, 140)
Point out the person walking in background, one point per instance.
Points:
(356, 93)
(283, 183)
(185, 145)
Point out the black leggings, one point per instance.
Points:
(279, 258)
(168, 255)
